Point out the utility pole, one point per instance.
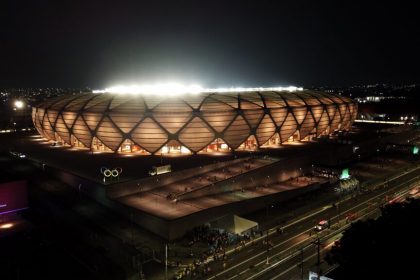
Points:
(338, 207)
(166, 261)
(266, 242)
(301, 263)
(266, 209)
(318, 264)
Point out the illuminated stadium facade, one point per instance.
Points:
(209, 121)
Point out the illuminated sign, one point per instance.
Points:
(13, 197)
(345, 174)
(108, 172)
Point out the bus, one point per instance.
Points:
(156, 170)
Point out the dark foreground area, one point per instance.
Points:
(385, 248)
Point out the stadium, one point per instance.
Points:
(210, 121)
(229, 151)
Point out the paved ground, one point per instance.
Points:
(87, 164)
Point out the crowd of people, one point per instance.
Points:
(217, 242)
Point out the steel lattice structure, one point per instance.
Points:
(193, 121)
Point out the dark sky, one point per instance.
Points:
(212, 43)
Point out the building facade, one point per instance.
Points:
(207, 122)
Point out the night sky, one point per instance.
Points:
(212, 43)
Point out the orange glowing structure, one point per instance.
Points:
(191, 123)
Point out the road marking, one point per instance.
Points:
(328, 236)
(332, 235)
(303, 218)
(255, 256)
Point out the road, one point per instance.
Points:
(297, 241)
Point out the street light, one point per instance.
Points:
(19, 104)
(317, 243)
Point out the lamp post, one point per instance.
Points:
(266, 243)
(317, 243)
(131, 227)
(338, 206)
(139, 188)
(166, 261)
(301, 263)
(19, 108)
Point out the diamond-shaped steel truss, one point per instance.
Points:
(192, 121)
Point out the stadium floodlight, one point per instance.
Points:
(244, 89)
(177, 89)
(158, 89)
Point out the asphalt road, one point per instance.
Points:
(284, 257)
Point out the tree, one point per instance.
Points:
(385, 248)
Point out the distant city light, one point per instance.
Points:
(19, 104)
(374, 121)
(176, 89)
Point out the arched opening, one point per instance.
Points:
(129, 146)
(250, 144)
(310, 136)
(173, 147)
(217, 145)
(97, 145)
(58, 140)
(273, 142)
(76, 143)
(325, 131)
(295, 137)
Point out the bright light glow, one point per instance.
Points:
(345, 174)
(19, 104)
(184, 150)
(176, 89)
(4, 226)
(372, 121)
(158, 89)
(165, 150)
(242, 89)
